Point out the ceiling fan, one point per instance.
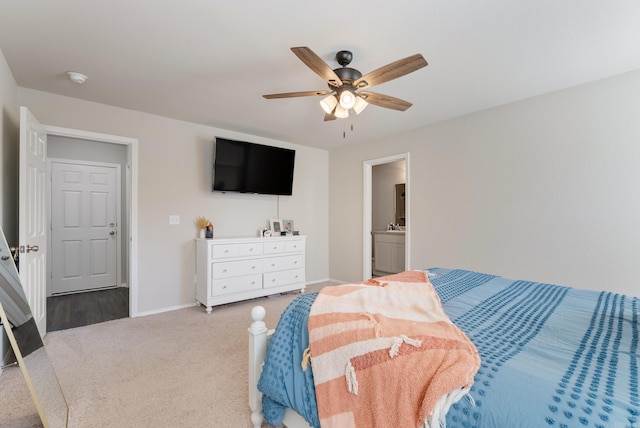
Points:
(346, 84)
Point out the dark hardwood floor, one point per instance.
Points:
(77, 310)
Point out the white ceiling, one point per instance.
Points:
(209, 61)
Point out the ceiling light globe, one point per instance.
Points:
(359, 105)
(328, 104)
(340, 112)
(347, 99)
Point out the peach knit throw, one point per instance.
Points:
(385, 354)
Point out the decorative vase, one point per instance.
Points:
(201, 233)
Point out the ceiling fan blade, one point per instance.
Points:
(329, 116)
(385, 101)
(296, 94)
(391, 71)
(315, 63)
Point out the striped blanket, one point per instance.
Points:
(384, 353)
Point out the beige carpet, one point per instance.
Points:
(176, 369)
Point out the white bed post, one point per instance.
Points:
(257, 354)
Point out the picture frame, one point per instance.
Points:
(287, 226)
(276, 226)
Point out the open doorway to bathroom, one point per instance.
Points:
(386, 215)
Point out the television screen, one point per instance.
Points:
(240, 166)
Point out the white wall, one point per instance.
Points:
(543, 189)
(174, 177)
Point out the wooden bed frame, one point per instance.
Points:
(258, 341)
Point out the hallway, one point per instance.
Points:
(80, 309)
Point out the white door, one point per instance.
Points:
(32, 221)
(84, 226)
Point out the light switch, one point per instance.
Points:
(174, 219)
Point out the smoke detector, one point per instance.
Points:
(76, 77)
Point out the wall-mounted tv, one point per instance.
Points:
(240, 166)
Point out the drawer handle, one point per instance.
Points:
(224, 270)
(224, 287)
(295, 263)
(253, 267)
(275, 248)
(273, 280)
(295, 246)
(253, 283)
(296, 276)
(226, 251)
(273, 264)
(250, 249)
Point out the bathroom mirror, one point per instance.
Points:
(27, 346)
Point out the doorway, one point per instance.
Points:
(94, 148)
(85, 225)
(369, 208)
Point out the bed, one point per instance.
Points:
(551, 356)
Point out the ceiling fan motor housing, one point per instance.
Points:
(348, 75)
(344, 58)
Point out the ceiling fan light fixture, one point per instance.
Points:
(340, 112)
(328, 104)
(347, 99)
(359, 105)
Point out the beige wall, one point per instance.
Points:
(544, 189)
(174, 177)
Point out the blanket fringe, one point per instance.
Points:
(438, 417)
(376, 325)
(398, 341)
(352, 381)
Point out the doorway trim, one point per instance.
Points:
(368, 210)
(131, 197)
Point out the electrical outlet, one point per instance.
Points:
(174, 219)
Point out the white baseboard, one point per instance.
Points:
(318, 281)
(159, 311)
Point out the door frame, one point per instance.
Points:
(50, 162)
(131, 198)
(368, 210)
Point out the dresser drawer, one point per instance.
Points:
(250, 249)
(237, 284)
(274, 247)
(239, 268)
(222, 251)
(276, 279)
(272, 264)
(294, 246)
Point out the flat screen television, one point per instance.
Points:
(240, 166)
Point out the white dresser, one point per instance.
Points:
(233, 269)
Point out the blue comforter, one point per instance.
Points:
(552, 356)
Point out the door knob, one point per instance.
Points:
(112, 233)
(29, 248)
